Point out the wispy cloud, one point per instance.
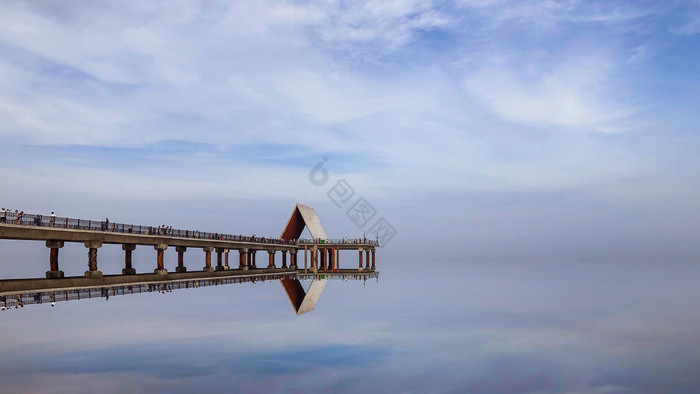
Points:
(554, 13)
(577, 91)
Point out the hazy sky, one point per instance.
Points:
(541, 134)
(570, 124)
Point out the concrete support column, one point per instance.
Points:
(337, 259)
(207, 259)
(329, 258)
(92, 271)
(293, 259)
(219, 259)
(271, 259)
(128, 269)
(360, 253)
(284, 259)
(314, 259)
(324, 259)
(252, 258)
(306, 260)
(243, 259)
(54, 272)
(181, 259)
(226, 259)
(367, 259)
(373, 268)
(160, 248)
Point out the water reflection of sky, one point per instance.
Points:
(478, 328)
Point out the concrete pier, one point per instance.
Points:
(128, 269)
(318, 257)
(53, 271)
(219, 259)
(271, 259)
(92, 271)
(207, 259)
(243, 257)
(321, 254)
(160, 249)
(181, 259)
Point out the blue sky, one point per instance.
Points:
(557, 135)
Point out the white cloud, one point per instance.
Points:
(552, 13)
(387, 24)
(135, 68)
(578, 92)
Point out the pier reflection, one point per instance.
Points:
(45, 291)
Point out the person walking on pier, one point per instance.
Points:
(53, 219)
(3, 216)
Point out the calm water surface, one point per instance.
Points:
(424, 327)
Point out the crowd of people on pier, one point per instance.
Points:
(7, 216)
(17, 217)
(363, 240)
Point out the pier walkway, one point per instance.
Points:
(321, 255)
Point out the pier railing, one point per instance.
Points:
(97, 225)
